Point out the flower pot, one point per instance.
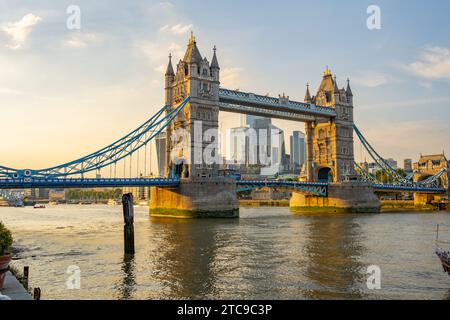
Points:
(4, 267)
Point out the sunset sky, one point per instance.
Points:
(65, 93)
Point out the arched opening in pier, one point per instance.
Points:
(325, 175)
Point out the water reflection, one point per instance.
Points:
(334, 250)
(128, 285)
(184, 260)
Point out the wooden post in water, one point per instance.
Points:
(26, 276)
(128, 229)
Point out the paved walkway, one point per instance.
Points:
(14, 289)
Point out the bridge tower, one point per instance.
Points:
(330, 154)
(192, 141)
(330, 143)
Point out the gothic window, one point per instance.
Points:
(186, 70)
(205, 72)
(209, 115)
(321, 135)
(205, 86)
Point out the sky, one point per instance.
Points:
(65, 93)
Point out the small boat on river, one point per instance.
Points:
(443, 252)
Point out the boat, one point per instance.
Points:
(39, 206)
(112, 202)
(443, 252)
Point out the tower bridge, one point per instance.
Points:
(192, 185)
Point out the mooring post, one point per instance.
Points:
(128, 229)
(26, 276)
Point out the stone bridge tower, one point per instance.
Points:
(330, 144)
(192, 142)
(330, 156)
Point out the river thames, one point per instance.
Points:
(269, 253)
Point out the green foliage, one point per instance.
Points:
(6, 239)
(78, 194)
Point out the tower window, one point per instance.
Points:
(205, 72)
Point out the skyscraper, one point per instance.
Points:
(161, 153)
(407, 165)
(298, 148)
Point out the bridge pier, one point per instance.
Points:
(343, 197)
(424, 200)
(196, 199)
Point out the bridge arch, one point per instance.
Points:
(325, 174)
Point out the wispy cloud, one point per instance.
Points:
(371, 79)
(231, 77)
(18, 31)
(8, 91)
(157, 55)
(178, 29)
(80, 40)
(434, 64)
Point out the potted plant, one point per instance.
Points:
(5, 256)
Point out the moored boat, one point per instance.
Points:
(39, 206)
(443, 252)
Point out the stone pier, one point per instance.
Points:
(196, 199)
(343, 197)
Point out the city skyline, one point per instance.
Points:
(55, 81)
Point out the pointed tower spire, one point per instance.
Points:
(307, 95)
(192, 54)
(214, 62)
(169, 71)
(349, 90)
(336, 89)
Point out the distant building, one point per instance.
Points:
(139, 193)
(239, 145)
(270, 194)
(251, 143)
(429, 165)
(161, 142)
(392, 163)
(298, 148)
(407, 165)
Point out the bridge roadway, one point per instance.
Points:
(317, 188)
(280, 108)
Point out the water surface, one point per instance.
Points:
(268, 253)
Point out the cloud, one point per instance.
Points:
(178, 29)
(81, 40)
(19, 31)
(8, 91)
(164, 6)
(371, 79)
(231, 77)
(434, 64)
(157, 55)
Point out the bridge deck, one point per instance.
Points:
(313, 187)
(86, 183)
(280, 108)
